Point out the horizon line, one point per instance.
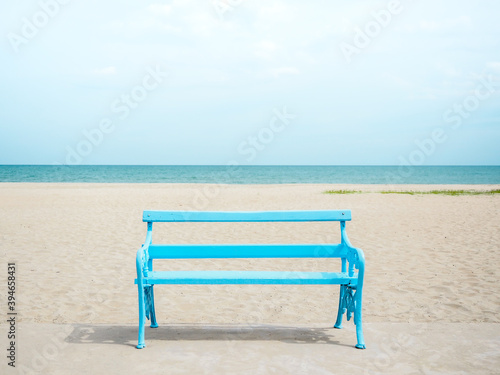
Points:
(247, 165)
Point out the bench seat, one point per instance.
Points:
(249, 277)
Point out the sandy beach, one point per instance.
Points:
(431, 299)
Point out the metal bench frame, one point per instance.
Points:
(350, 281)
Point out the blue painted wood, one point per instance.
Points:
(249, 277)
(246, 251)
(141, 263)
(350, 281)
(241, 216)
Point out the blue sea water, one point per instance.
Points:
(253, 174)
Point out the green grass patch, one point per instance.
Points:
(399, 192)
(343, 192)
(411, 192)
(445, 192)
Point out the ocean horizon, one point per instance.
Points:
(259, 174)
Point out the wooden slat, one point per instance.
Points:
(249, 277)
(246, 251)
(249, 216)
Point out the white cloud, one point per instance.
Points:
(109, 70)
(398, 81)
(201, 23)
(265, 49)
(494, 65)
(448, 69)
(160, 9)
(284, 70)
(446, 24)
(153, 18)
(277, 11)
(152, 24)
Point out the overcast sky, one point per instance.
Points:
(251, 82)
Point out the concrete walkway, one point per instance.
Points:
(392, 348)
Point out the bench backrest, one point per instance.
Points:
(197, 251)
(245, 216)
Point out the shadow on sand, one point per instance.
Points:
(127, 335)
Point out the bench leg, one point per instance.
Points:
(359, 321)
(154, 324)
(142, 315)
(340, 313)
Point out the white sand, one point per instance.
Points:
(432, 265)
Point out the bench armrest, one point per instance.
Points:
(355, 256)
(142, 257)
(356, 259)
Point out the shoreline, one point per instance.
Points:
(365, 187)
(201, 194)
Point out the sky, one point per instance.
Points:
(250, 82)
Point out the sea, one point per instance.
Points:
(220, 174)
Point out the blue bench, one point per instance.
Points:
(350, 281)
